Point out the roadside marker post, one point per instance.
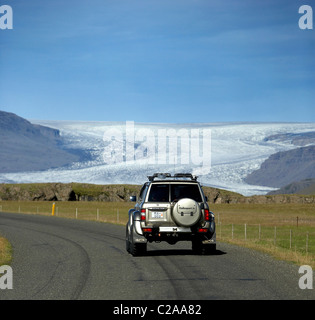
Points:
(53, 209)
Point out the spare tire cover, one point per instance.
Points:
(186, 212)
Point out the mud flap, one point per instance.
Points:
(138, 243)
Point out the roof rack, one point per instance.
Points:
(159, 175)
(168, 175)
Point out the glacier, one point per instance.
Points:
(235, 150)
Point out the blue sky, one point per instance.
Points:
(174, 61)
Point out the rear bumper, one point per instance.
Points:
(175, 229)
(175, 234)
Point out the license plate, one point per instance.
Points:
(157, 215)
(174, 229)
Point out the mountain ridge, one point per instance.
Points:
(237, 149)
(30, 147)
(285, 167)
(304, 187)
(122, 192)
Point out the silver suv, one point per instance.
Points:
(171, 208)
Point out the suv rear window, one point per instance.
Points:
(160, 192)
(180, 191)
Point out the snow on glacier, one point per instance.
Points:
(236, 149)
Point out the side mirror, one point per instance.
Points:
(133, 198)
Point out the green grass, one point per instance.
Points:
(87, 189)
(268, 226)
(287, 231)
(113, 212)
(5, 251)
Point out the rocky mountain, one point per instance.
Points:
(28, 147)
(91, 192)
(283, 168)
(122, 193)
(306, 186)
(66, 192)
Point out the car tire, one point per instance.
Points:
(137, 249)
(127, 240)
(203, 249)
(186, 212)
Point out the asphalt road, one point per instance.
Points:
(55, 258)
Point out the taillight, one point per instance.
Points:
(147, 229)
(203, 230)
(142, 214)
(207, 215)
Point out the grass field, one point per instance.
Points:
(5, 252)
(287, 231)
